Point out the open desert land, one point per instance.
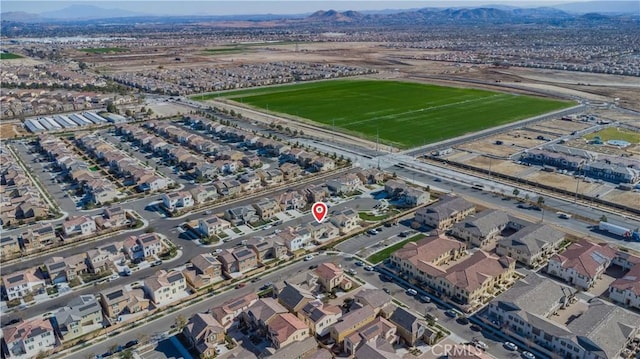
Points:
(11, 130)
(565, 126)
(564, 182)
(512, 142)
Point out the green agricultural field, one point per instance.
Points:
(104, 50)
(613, 133)
(9, 56)
(406, 114)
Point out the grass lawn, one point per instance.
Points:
(386, 253)
(104, 50)
(370, 217)
(9, 56)
(613, 133)
(406, 114)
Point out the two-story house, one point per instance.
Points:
(204, 334)
(164, 287)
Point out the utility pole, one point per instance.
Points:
(377, 143)
(575, 200)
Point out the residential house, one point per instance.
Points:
(229, 310)
(258, 316)
(352, 322)
(370, 176)
(202, 194)
(115, 217)
(294, 239)
(207, 170)
(266, 248)
(322, 232)
(62, 270)
(345, 184)
(212, 225)
(285, 329)
(411, 327)
(346, 220)
(422, 257)
(626, 290)
(531, 245)
(582, 329)
(292, 200)
(164, 287)
(98, 260)
(319, 317)
(83, 225)
(176, 200)
(472, 280)
(291, 171)
(80, 316)
(323, 164)
(304, 349)
(266, 208)
(118, 301)
(294, 298)
(205, 270)
(381, 302)
(22, 283)
(379, 329)
(331, 276)
(443, 214)
(314, 193)
(146, 245)
(413, 197)
(204, 334)
(241, 215)
(395, 188)
(9, 246)
(38, 236)
(270, 176)
(582, 263)
(482, 229)
(228, 187)
(238, 260)
(28, 339)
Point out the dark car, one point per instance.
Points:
(313, 266)
(131, 343)
(107, 354)
(14, 321)
(463, 320)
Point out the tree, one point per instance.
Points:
(181, 322)
(540, 201)
(526, 197)
(516, 192)
(604, 218)
(128, 113)
(111, 107)
(126, 354)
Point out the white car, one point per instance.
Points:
(481, 345)
(218, 250)
(368, 268)
(308, 257)
(528, 355)
(411, 292)
(510, 346)
(352, 271)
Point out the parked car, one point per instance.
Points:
(451, 313)
(156, 263)
(368, 268)
(131, 343)
(411, 292)
(425, 299)
(481, 345)
(510, 346)
(352, 271)
(359, 263)
(386, 290)
(463, 320)
(308, 257)
(241, 285)
(528, 355)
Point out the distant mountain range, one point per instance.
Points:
(489, 13)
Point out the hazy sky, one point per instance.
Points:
(219, 7)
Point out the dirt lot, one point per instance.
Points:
(565, 126)
(513, 141)
(562, 181)
(11, 130)
(627, 198)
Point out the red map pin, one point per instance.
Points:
(319, 211)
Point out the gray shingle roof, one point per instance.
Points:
(531, 239)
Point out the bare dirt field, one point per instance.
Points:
(631, 199)
(11, 130)
(512, 142)
(562, 181)
(565, 126)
